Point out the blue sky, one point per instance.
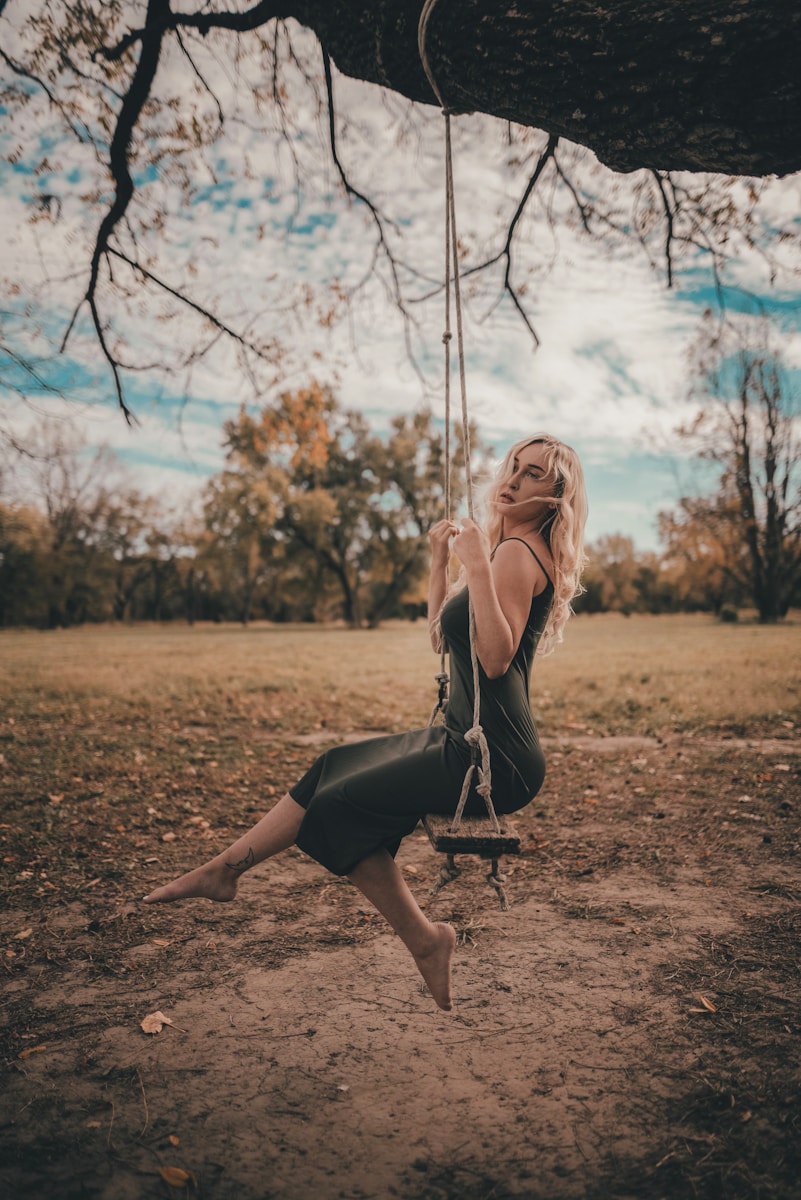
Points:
(610, 375)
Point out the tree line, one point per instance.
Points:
(315, 517)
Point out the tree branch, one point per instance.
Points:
(202, 81)
(668, 226)
(243, 22)
(506, 250)
(24, 73)
(397, 291)
(198, 308)
(133, 102)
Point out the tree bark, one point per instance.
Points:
(697, 85)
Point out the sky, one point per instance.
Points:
(266, 237)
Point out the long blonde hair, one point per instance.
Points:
(563, 531)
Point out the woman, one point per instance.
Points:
(351, 810)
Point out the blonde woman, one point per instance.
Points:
(351, 810)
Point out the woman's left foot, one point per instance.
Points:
(435, 964)
(212, 881)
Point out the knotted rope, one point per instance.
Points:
(475, 736)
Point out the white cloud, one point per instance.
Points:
(608, 376)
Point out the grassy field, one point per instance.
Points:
(629, 1028)
(133, 728)
(612, 675)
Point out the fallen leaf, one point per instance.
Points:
(168, 837)
(32, 1050)
(23, 933)
(173, 1140)
(177, 1177)
(707, 1005)
(154, 1022)
(55, 797)
(160, 942)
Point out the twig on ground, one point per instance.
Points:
(144, 1102)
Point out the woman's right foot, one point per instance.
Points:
(435, 964)
(215, 880)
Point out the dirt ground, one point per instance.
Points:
(629, 1028)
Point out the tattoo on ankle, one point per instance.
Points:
(243, 864)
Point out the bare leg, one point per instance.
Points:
(379, 879)
(218, 879)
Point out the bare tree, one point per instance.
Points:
(748, 429)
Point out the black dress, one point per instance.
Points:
(371, 794)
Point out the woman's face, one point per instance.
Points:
(528, 480)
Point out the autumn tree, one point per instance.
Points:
(620, 578)
(749, 527)
(24, 543)
(332, 505)
(78, 542)
(238, 546)
(703, 554)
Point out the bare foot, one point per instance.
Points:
(435, 964)
(213, 881)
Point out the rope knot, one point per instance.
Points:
(447, 336)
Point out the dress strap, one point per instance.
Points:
(533, 551)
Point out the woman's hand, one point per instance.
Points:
(471, 545)
(439, 536)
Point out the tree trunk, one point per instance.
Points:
(189, 596)
(392, 592)
(698, 85)
(351, 607)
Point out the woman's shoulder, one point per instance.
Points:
(536, 548)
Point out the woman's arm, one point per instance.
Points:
(501, 590)
(439, 536)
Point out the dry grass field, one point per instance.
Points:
(630, 1028)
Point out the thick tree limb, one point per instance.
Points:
(697, 85)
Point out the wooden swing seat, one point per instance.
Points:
(474, 835)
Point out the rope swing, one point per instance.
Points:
(474, 736)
